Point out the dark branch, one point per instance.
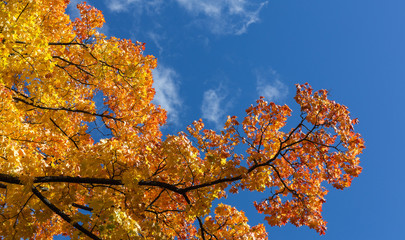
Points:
(201, 228)
(64, 109)
(162, 185)
(64, 133)
(65, 179)
(208, 184)
(82, 207)
(63, 215)
(67, 44)
(19, 15)
(78, 66)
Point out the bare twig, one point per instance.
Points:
(64, 133)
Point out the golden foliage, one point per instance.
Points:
(134, 184)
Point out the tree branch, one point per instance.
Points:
(78, 66)
(64, 109)
(66, 179)
(64, 133)
(63, 215)
(201, 227)
(19, 15)
(82, 207)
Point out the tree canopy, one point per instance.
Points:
(63, 80)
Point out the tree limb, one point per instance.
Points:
(63, 215)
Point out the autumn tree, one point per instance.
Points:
(62, 80)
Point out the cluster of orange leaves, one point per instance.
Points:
(134, 183)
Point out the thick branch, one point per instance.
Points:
(161, 185)
(63, 215)
(208, 184)
(65, 179)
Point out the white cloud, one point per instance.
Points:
(124, 5)
(210, 8)
(219, 16)
(224, 16)
(213, 107)
(167, 92)
(269, 85)
(117, 5)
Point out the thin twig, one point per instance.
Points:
(64, 133)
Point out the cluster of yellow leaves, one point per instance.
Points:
(134, 184)
(230, 223)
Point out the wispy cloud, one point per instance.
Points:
(214, 106)
(125, 5)
(157, 39)
(219, 16)
(269, 85)
(224, 16)
(167, 92)
(119, 5)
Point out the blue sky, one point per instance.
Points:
(216, 57)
